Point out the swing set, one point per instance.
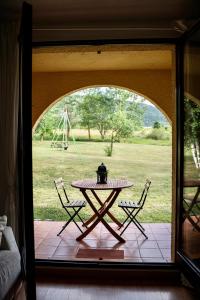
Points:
(62, 130)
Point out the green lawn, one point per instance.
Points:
(135, 162)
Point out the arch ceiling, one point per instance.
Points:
(143, 69)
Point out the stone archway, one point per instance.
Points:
(155, 85)
(114, 86)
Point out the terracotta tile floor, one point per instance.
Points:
(136, 249)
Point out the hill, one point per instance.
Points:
(152, 114)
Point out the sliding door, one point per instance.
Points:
(189, 158)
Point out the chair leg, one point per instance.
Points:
(142, 228)
(132, 219)
(81, 219)
(128, 217)
(126, 227)
(71, 219)
(124, 222)
(131, 214)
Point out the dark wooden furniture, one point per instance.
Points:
(115, 186)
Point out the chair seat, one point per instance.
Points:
(128, 204)
(76, 203)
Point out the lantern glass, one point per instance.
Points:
(102, 174)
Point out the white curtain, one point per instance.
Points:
(9, 102)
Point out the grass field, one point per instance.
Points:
(135, 162)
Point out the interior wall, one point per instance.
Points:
(155, 85)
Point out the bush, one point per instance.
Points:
(36, 137)
(159, 134)
(142, 133)
(156, 124)
(108, 150)
(46, 137)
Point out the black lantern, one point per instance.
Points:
(102, 174)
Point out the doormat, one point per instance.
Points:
(100, 253)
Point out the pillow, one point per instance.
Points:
(1, 229)
(3, 222)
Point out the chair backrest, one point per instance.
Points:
(60, 188)
(144, 193)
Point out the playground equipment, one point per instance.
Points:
(62, 129)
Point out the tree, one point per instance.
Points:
(69, 103)
(44, 127)
(100, 104)
(135, 113)
(86, 113)
(52, 118)
(121, 127)
(96, 110)
(192, 129)
(156, 124)
(112, 110)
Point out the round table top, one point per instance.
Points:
(91, 184)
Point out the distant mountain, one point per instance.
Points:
(152, 114)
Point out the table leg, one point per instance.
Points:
(100, 215)
(102, 207)
(108, 213)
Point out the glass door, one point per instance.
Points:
(189, 243)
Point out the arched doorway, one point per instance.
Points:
(132, 159)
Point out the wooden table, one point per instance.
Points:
(115, 186)
(193, 201)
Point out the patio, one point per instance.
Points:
(136, 249)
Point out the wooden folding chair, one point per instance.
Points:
(132, 209)
(75, 205)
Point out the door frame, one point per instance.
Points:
(120, 265)
(184, 263)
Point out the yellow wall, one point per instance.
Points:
(156, 85)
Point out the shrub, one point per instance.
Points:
(46, 137)
(156, 124)
(108, 150)
(159, 134)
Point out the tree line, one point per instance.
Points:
(115, 113)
